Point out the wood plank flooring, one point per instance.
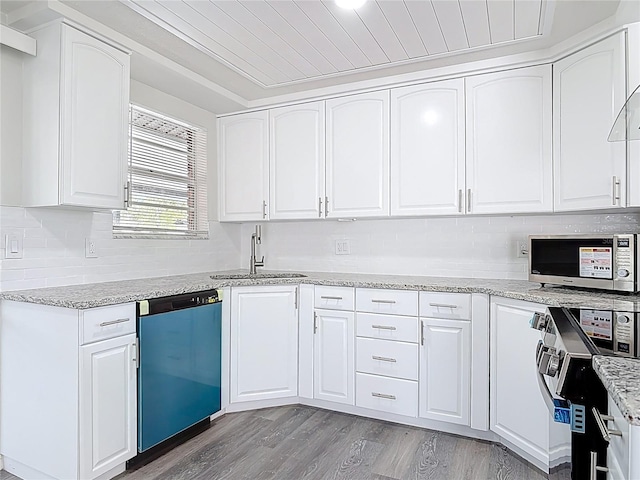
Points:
(299, 442)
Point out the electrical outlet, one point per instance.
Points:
(343, 247)
(90, 250)
(522, 249)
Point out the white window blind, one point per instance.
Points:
(167, 178)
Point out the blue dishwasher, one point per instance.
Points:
(179, 375)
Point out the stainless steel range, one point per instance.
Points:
(571, 388)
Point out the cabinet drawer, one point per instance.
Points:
(107, 322)
(445, 305)
(387, 394)
(387, 327)
(334, 298)
(396, 302)
(384, 357)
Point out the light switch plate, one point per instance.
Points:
(13, 245)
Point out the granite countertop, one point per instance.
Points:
(621, 378)
(111, 293)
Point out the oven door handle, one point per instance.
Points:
(546, 393)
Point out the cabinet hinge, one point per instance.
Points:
(315, 322)
(295, 298)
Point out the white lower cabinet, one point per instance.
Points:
(623, 453)
(387, 351)
(518, 413)
(333, 359)
(107, 404)
(264, 343)
(68, 390)
(445, 370)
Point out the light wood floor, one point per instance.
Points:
(298, 442)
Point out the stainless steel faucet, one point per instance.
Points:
(256, 239)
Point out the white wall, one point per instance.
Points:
(476, 247)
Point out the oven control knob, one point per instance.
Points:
(554, 365)
(623, 272)
(538, 321)
(548, 361)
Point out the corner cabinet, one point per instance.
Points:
(518, 412)
(427, 149)
(296, 146)
(264, 343)
(357, 149)
(75, 107)
(77, 370)
(243, 152)
(588, 92)
(508, 138)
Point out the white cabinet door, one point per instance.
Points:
(509, 153)
(427, 148)
(264, 343)
(445, 370)
(243, 143)
(75, 120)
(357, 171)
(333, 366)
(94, 119)
(108, 418)
(518, 412)
(589, 90)
(296, 186)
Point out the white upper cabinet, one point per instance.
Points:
(75, 106)
(243, 143)
(589, 90)
(427, 149)
(508, 138)
(357, 171)
(296, 187)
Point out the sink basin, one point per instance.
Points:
(241, 276)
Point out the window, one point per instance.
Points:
(167, 178)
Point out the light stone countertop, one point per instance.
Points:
(111, 293)
(621, 378)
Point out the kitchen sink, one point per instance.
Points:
(240, 276)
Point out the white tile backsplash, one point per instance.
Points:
(478, 247)
(54, 242)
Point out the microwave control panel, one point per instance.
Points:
(625, 254)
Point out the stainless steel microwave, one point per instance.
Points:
(606, 262)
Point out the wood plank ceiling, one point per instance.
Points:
(279, 42)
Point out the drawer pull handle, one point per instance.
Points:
(384, 327)
(604, 430)
(323, 297)
(383, 395)
(443, 305)
(113, 322)
(390, 302)
(384, 359)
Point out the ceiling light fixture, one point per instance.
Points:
(350, 4)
